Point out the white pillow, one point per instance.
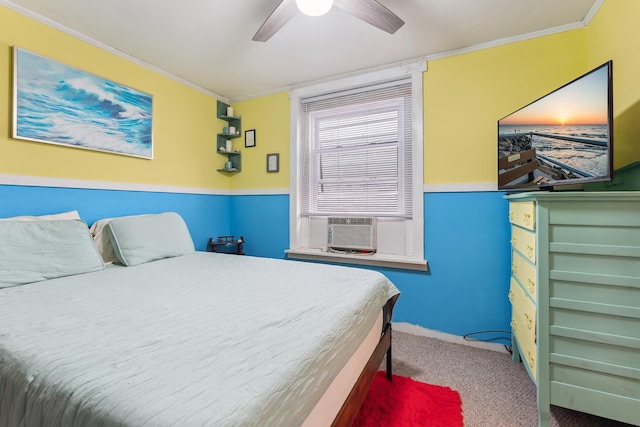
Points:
(102, 237)
(143, 238)
(32, 251)
(60, 216)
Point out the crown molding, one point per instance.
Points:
(508, 40)
(592, 12)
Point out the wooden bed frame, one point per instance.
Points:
(352, 405)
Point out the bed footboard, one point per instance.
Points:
(351, 406)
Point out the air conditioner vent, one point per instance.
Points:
(351, 234)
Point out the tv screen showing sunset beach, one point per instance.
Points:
(562, 137)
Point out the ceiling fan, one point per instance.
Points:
(369, 11)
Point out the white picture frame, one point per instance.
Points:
(55, 103)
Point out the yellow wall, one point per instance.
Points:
(269, 116)
(184, 122)
(465, 95)
(614, 34)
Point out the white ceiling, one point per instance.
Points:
(208, 42)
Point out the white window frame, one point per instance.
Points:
(300, 228)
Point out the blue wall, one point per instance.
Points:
(466, 243)
(263, 220)
(467, 246)
(205, 215)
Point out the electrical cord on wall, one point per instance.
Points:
(509, 347)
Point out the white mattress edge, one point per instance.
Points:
(334, 397)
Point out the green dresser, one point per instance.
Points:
(575, 294)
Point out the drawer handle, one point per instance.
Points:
(527, 218)
(511, 216)
(530, 251)
(514, 267)
(530, 358)
(511, 297)
(529, 321)
(513, 323)
(532, 286)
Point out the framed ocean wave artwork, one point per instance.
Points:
(58, 104)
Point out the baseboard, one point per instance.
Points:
(429, 333)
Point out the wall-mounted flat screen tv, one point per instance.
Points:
(564, 138)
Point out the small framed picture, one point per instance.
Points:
(273, 162)
(250, 138)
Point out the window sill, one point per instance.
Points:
(378, 260)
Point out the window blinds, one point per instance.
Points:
(356, 152)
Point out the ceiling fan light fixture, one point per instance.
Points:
(314, 7)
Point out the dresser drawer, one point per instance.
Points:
(524, 241)
(528, 348)
(523, 323)
(524, 272)
(523, 214)
(524, 310)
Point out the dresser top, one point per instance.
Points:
(575, 195)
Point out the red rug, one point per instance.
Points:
(404, 402)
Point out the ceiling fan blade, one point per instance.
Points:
(280, 16)
(372, 12)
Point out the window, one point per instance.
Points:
(357, 151)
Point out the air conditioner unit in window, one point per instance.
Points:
(351, 234)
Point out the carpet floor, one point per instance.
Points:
(495, 391)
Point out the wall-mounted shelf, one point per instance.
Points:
(235, 158)
(232, 121)
(221, 143)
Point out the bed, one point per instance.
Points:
(169, 336)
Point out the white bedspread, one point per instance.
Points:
(203, 339)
